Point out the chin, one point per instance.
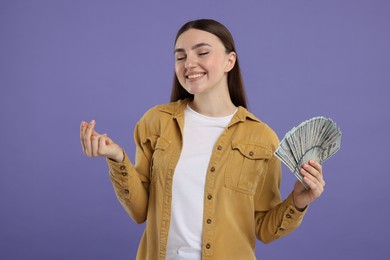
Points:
(194, 90)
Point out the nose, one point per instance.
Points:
(190, 62)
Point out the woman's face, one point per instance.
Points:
(201, 62)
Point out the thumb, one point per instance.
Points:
(95, 132)
(107, 139)
(109, 148)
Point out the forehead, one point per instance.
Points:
(192, 37)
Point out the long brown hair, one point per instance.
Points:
(235, 82)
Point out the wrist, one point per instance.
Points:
(299, 207)
(119, 157)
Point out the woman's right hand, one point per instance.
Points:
(95, 144)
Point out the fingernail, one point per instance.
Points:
(93, 122)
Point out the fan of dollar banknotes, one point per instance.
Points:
(315, 139)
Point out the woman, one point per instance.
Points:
(205, 178)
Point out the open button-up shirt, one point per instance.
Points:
(241, 201)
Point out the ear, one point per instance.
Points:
(231, 61)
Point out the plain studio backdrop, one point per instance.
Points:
(66, 61)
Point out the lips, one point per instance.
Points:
(195, 75)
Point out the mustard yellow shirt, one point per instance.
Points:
(241, 200)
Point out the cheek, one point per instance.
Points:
(215, 64)
(179, 73)
(178, 70)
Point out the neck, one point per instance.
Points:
(213, 106)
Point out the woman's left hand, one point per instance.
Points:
(312, 176)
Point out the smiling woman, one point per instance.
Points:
(205, 178)
(201, 66)
(224, 37)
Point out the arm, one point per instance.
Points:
(131, 187)
(275, 219)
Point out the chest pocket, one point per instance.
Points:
(245, 166)
(159, 162)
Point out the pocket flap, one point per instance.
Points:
(157, 142)
(253, 151)
(162, 143)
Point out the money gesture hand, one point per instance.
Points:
(312, 176)
(95, 144)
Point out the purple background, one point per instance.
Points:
(66, 61)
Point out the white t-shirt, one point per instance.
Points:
(185, 232)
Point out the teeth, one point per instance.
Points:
(194, 76)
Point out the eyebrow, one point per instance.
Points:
(196, 46)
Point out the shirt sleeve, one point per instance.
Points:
(131, 182)
(274, 218)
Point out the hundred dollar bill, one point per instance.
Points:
(316, 139)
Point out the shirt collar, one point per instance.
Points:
(176, 109)
(241, 115)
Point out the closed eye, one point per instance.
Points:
(180, 58)
(203, 53)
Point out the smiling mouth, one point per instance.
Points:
(195, 76)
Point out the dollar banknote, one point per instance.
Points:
(316, 139)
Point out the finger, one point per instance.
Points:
(316, 172)
(315, 187)
(82, 131)
(95, 144)
(307, 176)
(310, 173)
(316, 165)
(314, 180)
(102, 150)
(315, 169)
(108, 139)
(87, 138)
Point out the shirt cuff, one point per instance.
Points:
(292, 217)
(120, 170)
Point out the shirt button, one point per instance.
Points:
(127, 191)
(208, 246)
(251, 153)
(209, 221)
(288, 216)
(212, 169)
(123, 167)
(124, 173)
(219, 148)
(281, 229)
(209, 197)
(292, 211)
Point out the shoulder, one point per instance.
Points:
(172, 108)
(252, 129)
(161, 114)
